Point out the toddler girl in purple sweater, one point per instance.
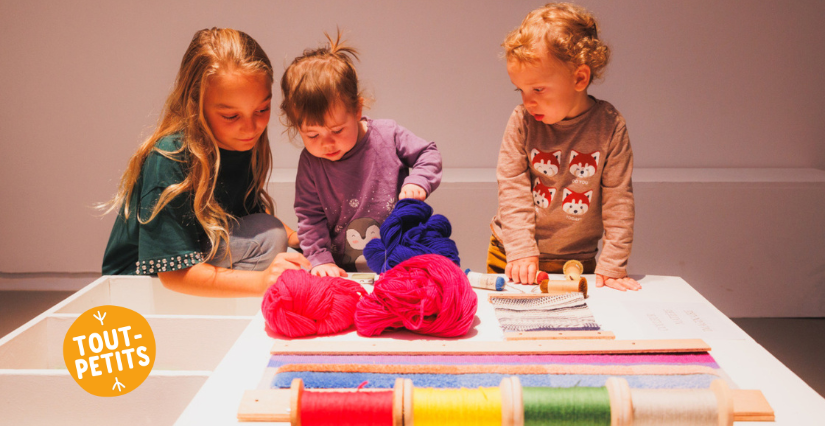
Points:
(352, 169)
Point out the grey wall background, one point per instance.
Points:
(702, 84)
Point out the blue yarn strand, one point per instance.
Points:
(410, 230)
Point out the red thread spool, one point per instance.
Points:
(357, 408)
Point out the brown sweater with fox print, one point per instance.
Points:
(562, 187)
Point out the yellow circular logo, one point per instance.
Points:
(109, 350)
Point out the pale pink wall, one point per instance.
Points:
(702, 84)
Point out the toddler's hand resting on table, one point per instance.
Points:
(412, 191)
(328, 270)
(621, 284)
(523, 271)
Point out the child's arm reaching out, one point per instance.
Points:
(207, 280)
(424, 161)
(313, 232)
(515, 203)
(618, 214)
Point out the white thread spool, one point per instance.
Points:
(485, 281)
(683, 407)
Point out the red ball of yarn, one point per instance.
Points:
(426, 294)
(300, 304)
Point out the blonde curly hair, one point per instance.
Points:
(569, 33)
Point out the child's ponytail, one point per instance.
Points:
(316, 81)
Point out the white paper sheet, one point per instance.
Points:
(683, 321)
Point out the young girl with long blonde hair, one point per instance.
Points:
(193, 206)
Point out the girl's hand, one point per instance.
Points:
(522, 271)
(621, 284)
(411, 190)
(281, 263)
(328, 270)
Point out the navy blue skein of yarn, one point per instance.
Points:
(410, 230)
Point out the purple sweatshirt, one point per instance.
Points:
(341, 204)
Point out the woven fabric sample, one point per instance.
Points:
(558, 312)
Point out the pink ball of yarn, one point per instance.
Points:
(300, 304)
(426, 294)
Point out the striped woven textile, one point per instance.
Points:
(558, 312)
(655, 371)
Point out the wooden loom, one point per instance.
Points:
(281, 404)
(475, 347)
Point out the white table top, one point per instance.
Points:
(747, 363)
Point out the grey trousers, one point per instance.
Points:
(254, 241)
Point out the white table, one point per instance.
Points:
(747, 363)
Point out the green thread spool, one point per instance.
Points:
(578, 406)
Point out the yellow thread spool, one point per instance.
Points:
(460, 407)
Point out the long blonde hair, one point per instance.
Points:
(212, 51)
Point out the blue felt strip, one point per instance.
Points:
(316, 380)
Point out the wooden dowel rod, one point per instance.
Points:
(269, 404)
(474, 347)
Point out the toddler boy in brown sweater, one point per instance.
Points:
(564, 169)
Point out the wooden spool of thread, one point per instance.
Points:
(511, 405)
(678, 407)
(485, 281)
(563, 286)
(574, 281)
(572, 270)
(371, 407)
